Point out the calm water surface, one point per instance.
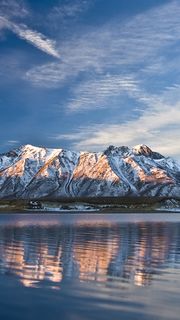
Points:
(89, 266)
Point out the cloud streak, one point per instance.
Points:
(10, 9)
(35, 38)
(69, 9)
(13, 8)
(102, 91)
(118, 45)
(157, 126)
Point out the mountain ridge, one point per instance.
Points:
(34, 172)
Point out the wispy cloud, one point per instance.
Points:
(65, 17)
(12, 142)
(8, 11)
(101, 91)
(119, 45)
(4, 23)
(157, 126)
(37, 39)
(70, 9)
(13, 8)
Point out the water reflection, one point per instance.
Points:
(98, 251)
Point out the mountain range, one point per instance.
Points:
(30, 172)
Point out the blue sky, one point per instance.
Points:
(85, 74)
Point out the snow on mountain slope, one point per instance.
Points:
(94, 176)
(33, 172)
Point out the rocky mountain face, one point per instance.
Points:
(34, 172)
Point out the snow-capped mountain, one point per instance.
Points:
(34, 172)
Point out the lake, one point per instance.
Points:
(90, 266)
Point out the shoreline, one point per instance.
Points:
(91, 206)
(102, 212)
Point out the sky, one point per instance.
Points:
(86, 74)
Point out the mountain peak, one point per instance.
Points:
(30, 147)
(142, 149)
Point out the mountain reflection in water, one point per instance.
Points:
(101, 251)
